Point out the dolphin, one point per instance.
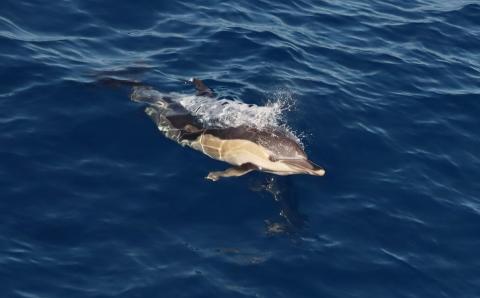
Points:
(246, 148)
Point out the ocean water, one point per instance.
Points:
(95, 202)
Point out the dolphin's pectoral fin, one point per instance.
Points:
(202, 89)
(232, 172)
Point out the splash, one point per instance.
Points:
(223, 113)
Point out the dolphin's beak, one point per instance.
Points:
(316, 170)
(320, 172)
(305, 166)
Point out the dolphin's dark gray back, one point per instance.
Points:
(277, 141)
(178, 124)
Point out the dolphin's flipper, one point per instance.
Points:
(232, 172)
(202, 89)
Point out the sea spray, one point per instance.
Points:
(223, 113)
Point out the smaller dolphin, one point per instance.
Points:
(247, 148)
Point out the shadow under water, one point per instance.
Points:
(290, 219)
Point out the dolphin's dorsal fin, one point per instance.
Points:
(202, 89)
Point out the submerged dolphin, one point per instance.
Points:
(246, 148)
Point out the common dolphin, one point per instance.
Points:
(271, 150)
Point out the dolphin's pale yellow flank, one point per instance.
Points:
(247, 155)
(246, 148)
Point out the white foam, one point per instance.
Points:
(230, 113)
(223, 113)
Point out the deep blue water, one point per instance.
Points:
(95, 202)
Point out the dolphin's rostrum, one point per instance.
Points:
(247, 148)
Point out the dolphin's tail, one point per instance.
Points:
(116, 83)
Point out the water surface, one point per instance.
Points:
(95, 202)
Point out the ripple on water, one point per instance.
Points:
(97, 203)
